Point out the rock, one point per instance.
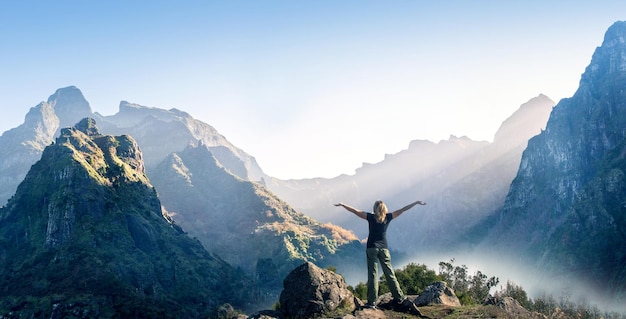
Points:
(310, 291)
(367, 314)
(408, 305)
(438, 293)
(512, 307)
(266, 314)
(227, 311)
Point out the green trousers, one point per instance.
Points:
(375, 255)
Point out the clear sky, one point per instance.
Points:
(310, 88)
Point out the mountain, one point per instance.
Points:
(159, 132)
(463, 181)
(243, 222)
(218, 187)
(565, 208)
(22, 146)
(84, 235)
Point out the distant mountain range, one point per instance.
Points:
(463, 181)
(159, 132)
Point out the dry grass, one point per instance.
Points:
(446, 312)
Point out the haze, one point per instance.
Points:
(311, 89)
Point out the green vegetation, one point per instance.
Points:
(472, 291)
(414, 278)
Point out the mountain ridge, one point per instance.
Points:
(85, 231)
(242, 221)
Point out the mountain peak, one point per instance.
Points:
(607, 61)
(70, 105)
(86, 227)
(616, 34)
(87, 126)
(528, 121)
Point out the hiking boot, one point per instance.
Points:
(408, 306)
(369, 306)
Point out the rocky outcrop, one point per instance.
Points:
(513, 308)
(438, 293)
(310, 291)
(85, 234)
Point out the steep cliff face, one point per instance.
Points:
(85, 233)
(243, 222)
(569, 182)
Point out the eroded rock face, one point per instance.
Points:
(310, 291)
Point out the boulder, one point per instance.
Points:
(227, 311)
(513, 307)
(309, 291)
(438, 293)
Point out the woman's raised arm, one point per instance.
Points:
(353, 210)
(405, 208)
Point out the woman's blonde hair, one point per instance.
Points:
(380, 211)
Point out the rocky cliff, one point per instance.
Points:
(564, 210)
(84, 235)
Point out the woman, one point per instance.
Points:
(377, 250)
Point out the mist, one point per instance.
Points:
(537, 283)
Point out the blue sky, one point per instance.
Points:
(310, 88)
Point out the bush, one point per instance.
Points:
(415, 278)
(359, 291)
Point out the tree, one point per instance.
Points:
(468, 289)
(480, 285)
